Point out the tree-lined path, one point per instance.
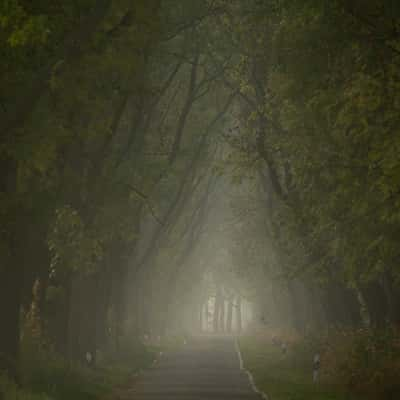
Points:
(192, 166)
(207, 368)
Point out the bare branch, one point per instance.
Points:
(146, 199)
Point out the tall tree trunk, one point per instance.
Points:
(217, 309)
(201, 310)
(229, 315)
(119, 305)
(102, 307)
(94, 309)
(239, 314)
(82, 322)
(11, 270)
(296, 307)
(376, 303)
(216, 316)
(75, 305)
(392, 293)
(222, 316)
(206, 314)
(341, 305)
(10, 301)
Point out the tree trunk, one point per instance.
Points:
(119, 306)
(296, 304)
(10, 300)
(201, 310)
(392, 293)
(229, 315)
(217, 310)
(216, 316)
(239, 314)
(222, 316)
(206, 314)
(11, 271)
(103, 305)
(341, 305)
(376, 303)
(59, 315)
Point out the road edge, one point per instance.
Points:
(248, 373)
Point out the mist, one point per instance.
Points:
(199, 199)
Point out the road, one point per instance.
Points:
(206, 368)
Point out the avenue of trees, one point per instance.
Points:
(320, 110)
(107, 112)
(119, 120)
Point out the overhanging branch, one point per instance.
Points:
(146, 199)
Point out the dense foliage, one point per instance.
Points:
(99, 153)
(117, 118)
(319, 90)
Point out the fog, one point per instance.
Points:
(199, 199)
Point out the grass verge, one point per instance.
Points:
(286, 377)
(47, 377)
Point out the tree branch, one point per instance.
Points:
(146, 199)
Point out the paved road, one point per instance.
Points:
(207, 368)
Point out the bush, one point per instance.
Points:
(10, 391)
(43, 371)
(366, 361)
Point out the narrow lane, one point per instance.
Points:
(207, 368)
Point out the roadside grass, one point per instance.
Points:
(286, 377)
(45, 376)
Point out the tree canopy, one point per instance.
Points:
(124, 123)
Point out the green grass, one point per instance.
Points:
(10, 391)
(285, 377)
(48, 377)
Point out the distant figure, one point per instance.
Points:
(284, 348)
(276, 341)
(89, 358)
(316, 367)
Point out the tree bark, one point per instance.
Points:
(11, 271)
(10, 301)
(376, 303)
(185, 110)
(217, 310)
(222, 315)
(206, 314)
(239, 314)
(392, 293)
(201, 310)
(229, 315)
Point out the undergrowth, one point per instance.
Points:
(355, 364)
(46, 376)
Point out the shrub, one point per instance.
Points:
(10, 391)
(43, 371)
(366, 361)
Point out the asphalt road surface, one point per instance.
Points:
(207, 368)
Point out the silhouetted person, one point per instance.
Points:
(316, 367)
(284, 348)
(89, 358)
(276, 341)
